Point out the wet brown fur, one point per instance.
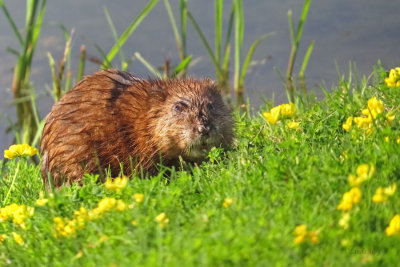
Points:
(112, 118)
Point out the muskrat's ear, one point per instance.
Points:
(158, 93)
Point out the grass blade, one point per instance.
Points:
(238, 41)
(174, 28)
(182, 66)
(305, 60)
(303, 18)
(127, 33)
(81, 64)
(114, 33)
(147, 64)
(218, 29)
(184, 13)
(205, 43)
(250, 55)
(12, 23)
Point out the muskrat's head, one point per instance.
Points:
(189, 118)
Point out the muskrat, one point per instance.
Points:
(112, 119)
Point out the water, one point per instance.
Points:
(360, 31)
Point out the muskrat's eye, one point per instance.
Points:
(179, 106)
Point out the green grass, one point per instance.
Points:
(278, 178)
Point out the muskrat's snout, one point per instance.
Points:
(204, 125)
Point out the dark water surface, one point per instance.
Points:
(360, 31)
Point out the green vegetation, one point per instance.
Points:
(242, 207)
(306, 183)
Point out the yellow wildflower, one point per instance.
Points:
(2, 238)
(387, 139)
(350, 198)
(134, 222)
(272, 116)
(299, 239)
(138, 198)
(394, 78)
(379, 196)
(293, 125)
(390, 190)
(20, 151)
(18, 238)
(120, 205)
(41, 201)
(18, 213)
(227, 202)
(365, 171)
(116, 184)
(390, 116)
(288, 109)
(344, 221)
(382, 194)
(375, 107)
(313, 236)
(162, 219)
(363, 123)
(394, 226)
(398, 140)
(300, 229)
(303, 235)
(347, 125)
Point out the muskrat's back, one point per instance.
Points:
(112, 118)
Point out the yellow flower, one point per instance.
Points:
(134, 222)
(303, 235)
(382, 194)
(288, 109)
(387, 139)
(363, 123)
(2, 238)
(375, 107)
(390, 116)
(18, 213)
(394, 226)
(299, 239)
(398, 140)
(162, 219)
(379, 196)
(347, 125)
(394, 78)
(390, 190)
(272, 116)
(116, 184)
(350, 198)
(300, 229)
(121, 205)
(293, 125)
(18, 238)
(365, 171)
(344, 221)
(227, 202)
(138, 198)
(41, 201)
(313, 236)
(20, 151)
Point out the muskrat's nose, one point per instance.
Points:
(204, 129)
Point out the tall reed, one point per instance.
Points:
(27, 122)
(295, 37)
